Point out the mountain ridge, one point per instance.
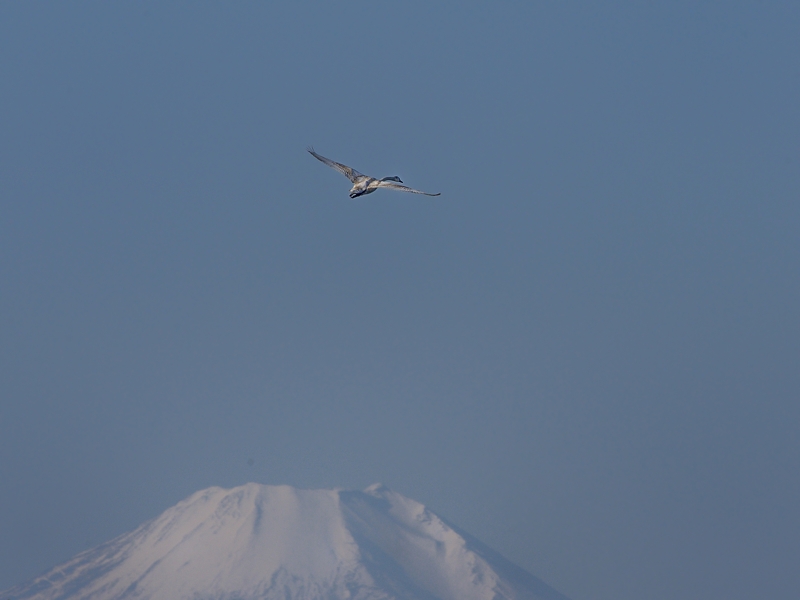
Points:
(260, 542)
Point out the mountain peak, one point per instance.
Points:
(282, 543)
(376, 489)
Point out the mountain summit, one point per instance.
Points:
(280, 543)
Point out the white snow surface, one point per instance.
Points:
(281, 543)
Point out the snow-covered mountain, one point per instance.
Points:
(280, 543)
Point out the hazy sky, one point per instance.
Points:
(586, 352)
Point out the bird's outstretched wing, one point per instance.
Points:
(348, 172)
(403, 188)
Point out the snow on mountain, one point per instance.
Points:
(280, 543)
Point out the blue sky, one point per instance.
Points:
(586, 352)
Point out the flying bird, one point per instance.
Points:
(364, 184)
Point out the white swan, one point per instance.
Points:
(364, 184)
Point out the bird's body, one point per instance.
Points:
(364, 184)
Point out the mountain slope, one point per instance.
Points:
(280, 543)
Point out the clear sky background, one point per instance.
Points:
(586, 352)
